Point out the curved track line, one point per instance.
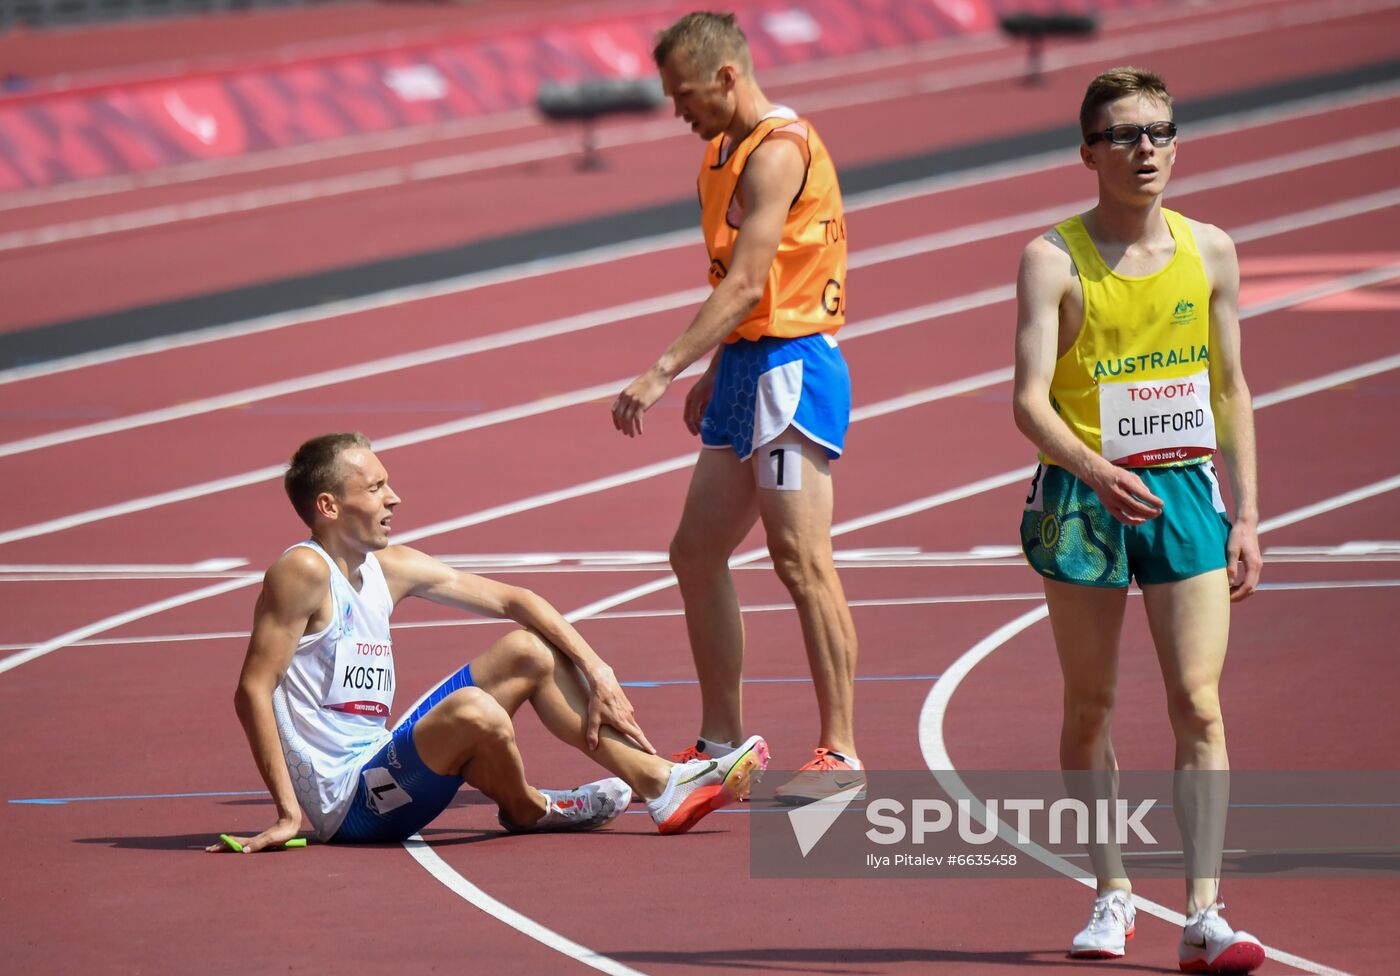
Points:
(947, 683)
(933, 743)
(434, 864)
(426, 857)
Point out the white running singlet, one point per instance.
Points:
(333, 703)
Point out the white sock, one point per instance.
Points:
(713, 747)
(851, 761)
(665, 796)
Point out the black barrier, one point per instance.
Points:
(1035, 28)
(589, 100)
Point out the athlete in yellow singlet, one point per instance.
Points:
(773, 406)
(1128, 380)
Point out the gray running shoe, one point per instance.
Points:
(586, 807)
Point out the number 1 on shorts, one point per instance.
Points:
(781, 468)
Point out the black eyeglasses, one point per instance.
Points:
(1128, 134)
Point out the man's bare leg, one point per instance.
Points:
(523, 667)
(798, 527)
(1087, 622)
(720, 509)
(469, 734)
(1190, 622)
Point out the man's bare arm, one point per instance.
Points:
(413, 573)
(1233, 408)
(293, 590)
(772, 178)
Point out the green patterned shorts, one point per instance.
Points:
(1068, 535)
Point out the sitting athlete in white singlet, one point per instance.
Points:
(318, 685)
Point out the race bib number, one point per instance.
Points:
(363, 680)
(1147, 422)
(780, 467)
(383, 793)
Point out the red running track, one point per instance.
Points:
(139, 706)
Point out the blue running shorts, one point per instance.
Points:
(398, 795)
(764, 387)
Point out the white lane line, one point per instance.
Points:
(1327, 505)
(775, 78)
(594, 486)
(119, 619)
(1227, 125)
(1332, 211)
(841, 528)
(874, 326)
(433, 863)
(788, 77)
(933, 743)
(445, 872)
(845, 96)
(422, 852)
(968, 599)
(1105, 51)
(1214, 180)
(900, 250)
(216, 565)
(654, 470)
(478, 421)
(1339, 378)
(376, 367)
(649, 471)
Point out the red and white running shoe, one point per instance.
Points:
(701, 786)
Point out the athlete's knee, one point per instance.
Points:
(530, 655)
(692, 552)
(1088, 715)
(477, 715)
(801, 567)
(1195, 714)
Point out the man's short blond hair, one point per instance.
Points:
(315, 468)
(1116, 83)
(709, 39)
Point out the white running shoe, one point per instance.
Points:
(1209, 945)
(586, 807)
(702, 786)
(1110, 926)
